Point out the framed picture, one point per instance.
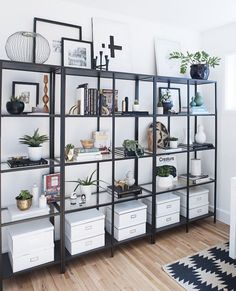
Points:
(165, 66)
(77, 53)
(54, 31)
(51, 186)
(175, 97)
(27, 92)
(106, 96)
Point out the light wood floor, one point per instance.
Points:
(135, 266)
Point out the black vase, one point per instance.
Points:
(200, 71)
(167, 106)
(15, 107)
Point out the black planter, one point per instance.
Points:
(167, 106)
(15, 107)
(132, 153)
(200, 71)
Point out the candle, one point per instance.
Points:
(196, 167)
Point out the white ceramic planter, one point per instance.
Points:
(165, 182)
(87, 191)
(35, 153)
(173, 144)
(135, 107)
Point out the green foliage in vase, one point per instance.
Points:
(24, 195)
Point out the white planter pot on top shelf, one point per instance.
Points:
(35, 153)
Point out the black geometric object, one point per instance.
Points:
(113, 47)
(25, 162)
(210, 269)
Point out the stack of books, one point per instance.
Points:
(163, 150)
(194, 180)
(87, 100)
(195, 110)
(119, 193)
(197, 146)
(84, 155)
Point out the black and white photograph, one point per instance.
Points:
(77, 53)
(53, 31)
(28, 93)
(174, 96)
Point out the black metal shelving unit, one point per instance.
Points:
(62, 256)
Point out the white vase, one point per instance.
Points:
(160, 110)
(173, 144)
(130, 178)
(35, 153)
(200, 136)
(135, 107)
(87, 191)
(165, 182)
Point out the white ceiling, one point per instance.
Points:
(196, 14)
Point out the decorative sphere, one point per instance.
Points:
(20, 47)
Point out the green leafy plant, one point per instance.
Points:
(133, 146)
(166, 96)
(15, 99)
(136, 102)
(35, 140)
(163, 171)
(173, 138)
(199, 57)
(88, 181)
(24, 195)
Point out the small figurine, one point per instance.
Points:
(73, 198)
(83, 198)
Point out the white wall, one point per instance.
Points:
(221, 42)
(18, 15)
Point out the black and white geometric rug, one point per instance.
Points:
(208, 270)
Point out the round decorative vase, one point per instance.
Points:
(198, 99)
(87, 191)
(192, 103)
(165, 182)
(199, 71)
(23, 204)
(130, 178)
(135, 107)
(200, 136)
(173, 144)
(35, 153)
(15, 107)
(167, 105)
(21, 45)
(160, 110)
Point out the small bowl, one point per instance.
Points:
(87, 143)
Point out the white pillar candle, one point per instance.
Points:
(196, 167)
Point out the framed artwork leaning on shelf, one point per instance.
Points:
(77, 53)
(175, 97)
(28, 93)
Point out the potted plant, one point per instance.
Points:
(164, 179)
(136, 105)
(199, 62)
(24, 200)
(69, 152)
(166, 101)
(86, 186)
(34, 144)
(15, 106)
(132, 148)
(173, 142)
(159, 107)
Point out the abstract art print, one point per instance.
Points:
(76, 53)
(112, 39)
(54, 31)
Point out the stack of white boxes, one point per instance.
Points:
(84, 231)
(198, 201)
(129, 219)
(167, 209)
(30, 244)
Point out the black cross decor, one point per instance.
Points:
(113, 47)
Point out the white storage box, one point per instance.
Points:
(128, 214)
(84, 224)
(164, 220)
(28, 236)
(31, 259)
(80, 246)
(166, 204)
(127, 232)
(198, 196)
(194, 212)
(16, 214)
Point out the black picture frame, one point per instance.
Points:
(177, 108)
(29, 101)
(64, 51)
(55, 44)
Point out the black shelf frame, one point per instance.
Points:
(59, 210)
